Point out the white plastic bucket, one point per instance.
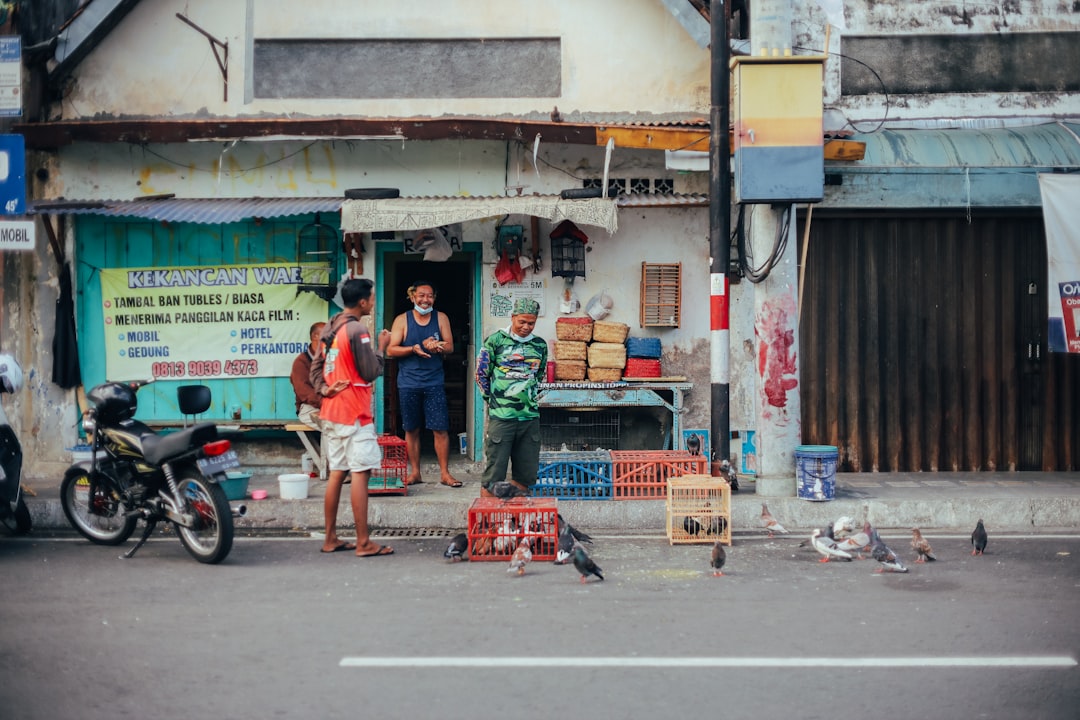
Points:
(293, 486)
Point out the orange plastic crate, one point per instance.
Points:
(497, 526)
(643, 474)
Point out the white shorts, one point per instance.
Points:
(353, 447)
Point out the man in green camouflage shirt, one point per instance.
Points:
(508, 370)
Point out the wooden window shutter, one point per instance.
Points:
(661, 294)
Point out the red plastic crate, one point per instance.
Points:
(389, 478)
(497, 526)
(393, 451)
(643, 474)
(641, 368)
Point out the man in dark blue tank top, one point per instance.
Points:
(419, 339)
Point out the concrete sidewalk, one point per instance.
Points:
(1016, 502)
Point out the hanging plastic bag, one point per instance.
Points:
(599, 305)
(438, 250)
(568, 302)
(504, 271)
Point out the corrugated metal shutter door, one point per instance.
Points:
(923, 348)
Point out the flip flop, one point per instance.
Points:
(339, 548)
(383, 550)
(455, 484)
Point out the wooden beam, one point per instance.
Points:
(655, 137)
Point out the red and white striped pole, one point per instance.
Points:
(719, 237)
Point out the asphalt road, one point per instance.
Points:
(280, 631)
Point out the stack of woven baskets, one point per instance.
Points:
(587, 347)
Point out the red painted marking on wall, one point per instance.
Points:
(776, 354)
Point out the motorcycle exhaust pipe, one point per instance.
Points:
(239, 511)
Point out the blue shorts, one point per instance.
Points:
(428, 403)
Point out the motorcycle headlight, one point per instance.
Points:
(89, 423)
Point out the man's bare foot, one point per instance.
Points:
(414, 479)
(374, 550)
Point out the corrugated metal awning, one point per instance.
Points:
(210, 211)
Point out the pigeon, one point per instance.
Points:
(521, 557)
(843, 526)
(978, 538)
(921, 547)
(506, 539)
(577, 534)
(455, 551)
(769, 522)
(727, 470)
(827, 546)
(584, 564)
(856, 542)
(717, 559)
(566, 546)
(703, 525)
(883, 554)
(504, 489)
(693, 444)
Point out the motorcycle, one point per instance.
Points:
(14, 515)
(135, 473)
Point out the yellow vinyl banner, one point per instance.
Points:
(216, 321)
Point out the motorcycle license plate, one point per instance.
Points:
(218, 463)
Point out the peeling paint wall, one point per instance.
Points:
(612, 51)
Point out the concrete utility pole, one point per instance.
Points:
(776, 315)
(719, 236)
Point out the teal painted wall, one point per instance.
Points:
(117, 243)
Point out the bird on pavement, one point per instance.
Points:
(827, 547)
(566, 545)
(856, 542)
(578, 535)
(889, 560)
(922, 548)
(522, 556)
(727, 471)
(978, 538)
(584, 564)
(770, 523)
(717, 558)
(455, 551)
(844, 526)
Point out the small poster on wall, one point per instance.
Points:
(501, 297)
(696, 442)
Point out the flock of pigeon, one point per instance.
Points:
(570, 549)
(839, 541)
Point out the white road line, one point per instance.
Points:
(1049, 661)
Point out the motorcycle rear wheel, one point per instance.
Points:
(101, 519)
(17, 521)
(211, 539)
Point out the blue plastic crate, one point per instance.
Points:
(574, 475)
(643, 347)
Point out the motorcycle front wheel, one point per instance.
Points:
(17, 521)
(99, 516)
(210, 539)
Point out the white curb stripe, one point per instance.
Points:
(709, 662)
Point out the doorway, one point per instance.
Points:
(454, 282)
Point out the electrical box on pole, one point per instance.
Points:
(779, 138)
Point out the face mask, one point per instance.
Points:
(518, 338)
(422, 310)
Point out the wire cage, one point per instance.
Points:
(579, 430)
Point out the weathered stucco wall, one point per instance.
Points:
(619, 57)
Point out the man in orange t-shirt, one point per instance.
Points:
(349, 368)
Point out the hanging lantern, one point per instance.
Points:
(317, 252)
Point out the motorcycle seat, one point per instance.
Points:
(159, 448)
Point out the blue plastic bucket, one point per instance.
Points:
(815, 471)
